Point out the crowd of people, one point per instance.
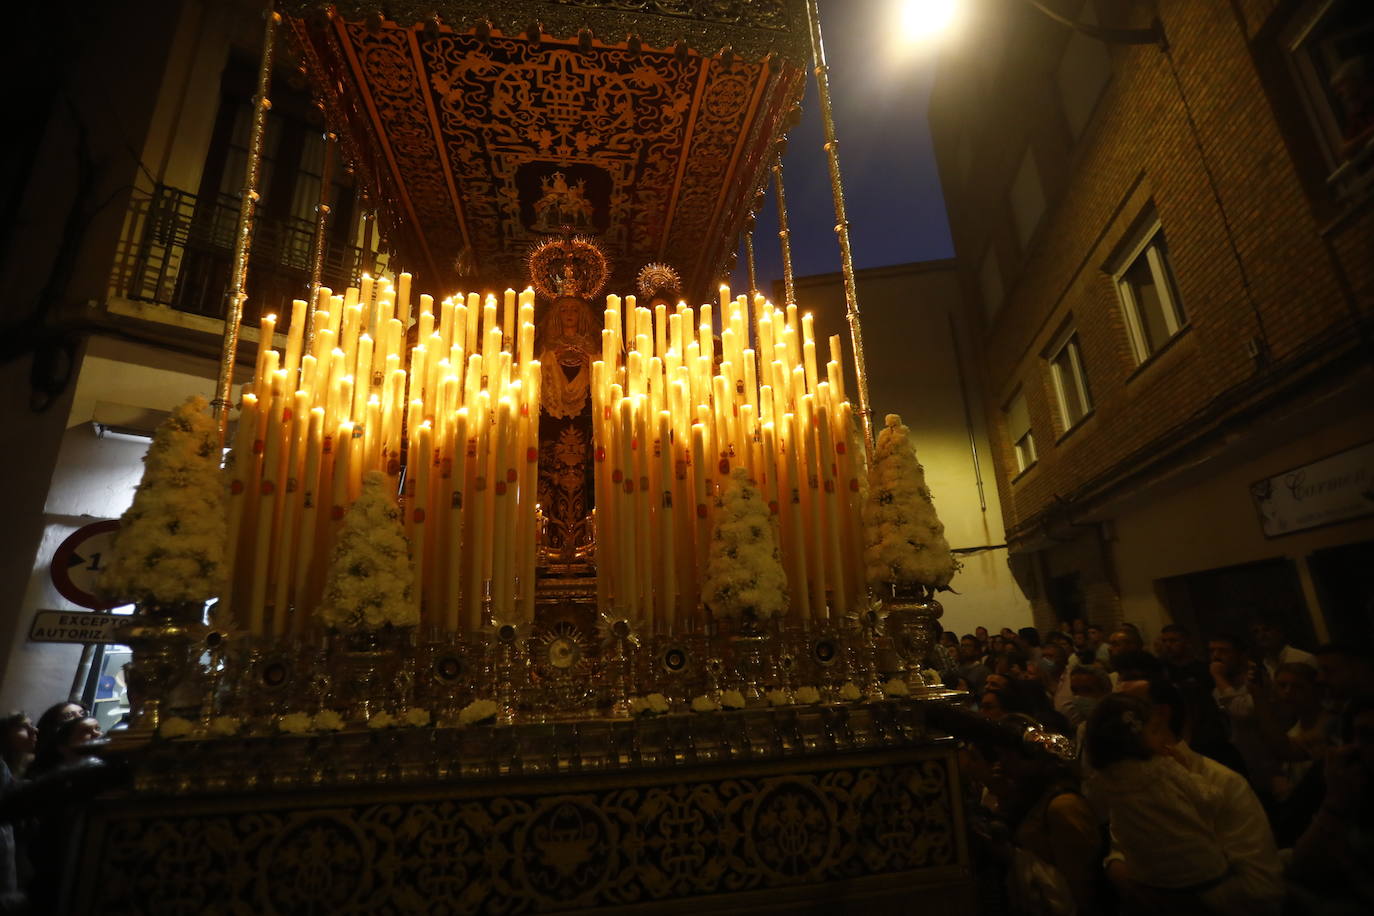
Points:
(1160, 780)
(35, 826)
(1239, 781)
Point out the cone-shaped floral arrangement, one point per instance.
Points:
(170, 545)
(371, 579)
(744, 574)
(905, 539)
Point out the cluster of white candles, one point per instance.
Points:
(462, 402)
(671, 418)
(671, 422)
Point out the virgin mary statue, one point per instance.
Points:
(569, 272)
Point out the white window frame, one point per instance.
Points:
(1068, 343)
(1024, 446)
(1311, 74)
(1175, 319)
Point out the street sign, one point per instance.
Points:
(74, 627)
(79, 561)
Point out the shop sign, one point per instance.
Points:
(74, 626)
(1334, 489)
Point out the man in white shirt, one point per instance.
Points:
(1239, 820)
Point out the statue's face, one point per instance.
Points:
(569, 314)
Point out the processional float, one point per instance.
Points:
(550, 498)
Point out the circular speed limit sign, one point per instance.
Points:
(79, 561)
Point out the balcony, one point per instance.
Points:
(178, 252)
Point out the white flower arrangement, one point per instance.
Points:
(744, 570)
(295, 723)
(370, 572)
(807, 695)
(704, 703)
(478, 712)
(896, 687)
(417, 718)
(382, 719)
(171, 540)
(176, 727)
(731, 699)
(850, 693)
(905, 540)
(931, 678)
(225, 726)
(778, 697)
(327, 720)
(655, 704)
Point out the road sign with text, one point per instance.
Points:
(79, 561)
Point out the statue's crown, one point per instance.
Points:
(568, 266)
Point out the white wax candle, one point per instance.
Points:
(295, 338)
(403, 299)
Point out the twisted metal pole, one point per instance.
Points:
(832, 150)
(789, 289)
(243, 232)
(749, 261)
(320, 241)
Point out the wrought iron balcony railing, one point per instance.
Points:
(179, 249)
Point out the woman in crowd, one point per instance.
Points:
(67, 748)
(18, 741)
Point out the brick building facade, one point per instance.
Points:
(1173, 252)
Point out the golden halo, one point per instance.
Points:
(568, 266)
(659, 280)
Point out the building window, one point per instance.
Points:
(1145, 282)
(1328, 53)
(990, 283)
(1083, 73)
(1070, 381)
(1027, 198)
(1019, 431)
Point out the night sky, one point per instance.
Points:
(892, 189)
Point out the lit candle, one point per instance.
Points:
(242, 482)
(295, 337)
(309, 489)
(476, 525)
(809, 363)
(529, 485)
(667, 558)
(700, 474)
(267, 503)
(426, 320)
(457, 476)
(365, 294)
(284, 556)
(362, 377)
(403, 299)
(831, 522)
(508, 320)
(644, 570)
(811, 505)
(419, 516)
(501, 514)
(790, 503)
(261, 380)
(473, 328)
(628, 594)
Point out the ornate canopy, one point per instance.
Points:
(480, 128)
